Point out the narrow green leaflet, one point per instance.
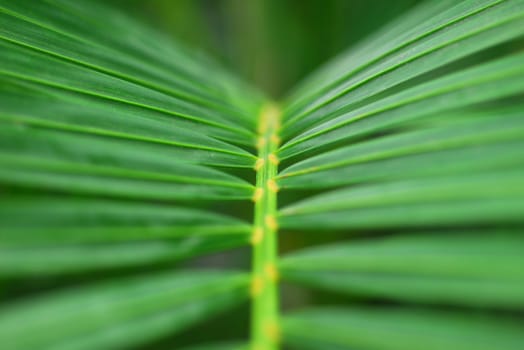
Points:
(57, 259)
(58, 247)
(485, 82)
(82, 21)
(493, 197)
(461, 161)
(461, 144)
(88, 154)
(119, 313)
(53, 108)
(421, 21)
(76, 163)
(395, 328)
(161, 52)
(464, 268)
(29, 34)
(17, 61)
(61, 178)
(75, 235)
(142, 56)
(73, 220)
(485, 26)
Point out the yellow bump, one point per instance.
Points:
(271, 272)
(272, 331)
(272, 185)
(271, 222)
(261, 142)
(275, 139)
(258, 234)
(273, 159)
(257, 196)
(259, 164)
(256, 286)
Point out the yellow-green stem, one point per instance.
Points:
(264, 288)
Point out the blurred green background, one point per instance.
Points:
(271, 43)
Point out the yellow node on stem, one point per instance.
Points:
(257, 236)
(273, 159)
(271, 272)
(272, 331)
(257, 196)
(257, 284)
(272, 185)
(259, 164)
(271, 222)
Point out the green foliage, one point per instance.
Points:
(399, 328)
(439, 268)
(124, 155)
(120, 313)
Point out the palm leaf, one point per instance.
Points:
(72, 235)
(453, 33)
(461, 144)
(117, 157)
(482, 83)
(123, 151)
(121, 312)
(398, 328)
(430, 268)
(489, 198)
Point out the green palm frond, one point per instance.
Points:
(124, 155)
